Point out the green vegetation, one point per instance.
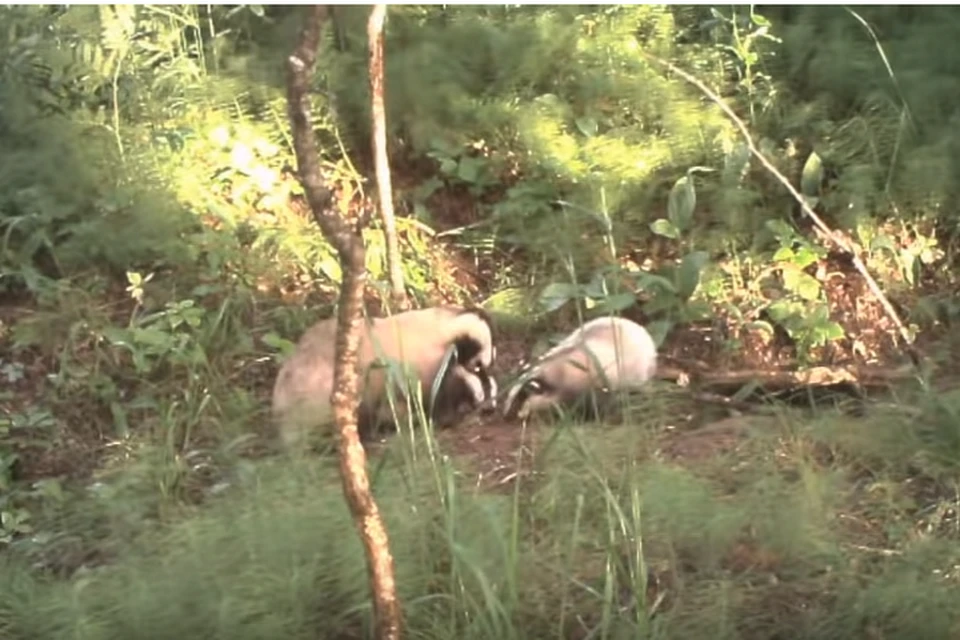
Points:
(157, 261)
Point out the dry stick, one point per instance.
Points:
(381, 159)
(347, 238)
(837, 239)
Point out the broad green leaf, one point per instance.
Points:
(782, 309)
(587, 126)
(812, 176)
(616, 302)
(783, 231)
(805, 256)
(800, 283)
(688, 274)
(652, 281)
(811, 201)
(681, 203)
(557, 294)
(783, 254)
(832, 331)
(448, 166)
(281, 344)
(665, 228)
(469, 169)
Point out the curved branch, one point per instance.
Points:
(347, 239)
(381, 159)
(839, 241)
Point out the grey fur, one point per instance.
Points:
(417, 341)
(624, 351)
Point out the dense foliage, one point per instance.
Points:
(157, 261)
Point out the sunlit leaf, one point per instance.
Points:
(557, 294)
(688, 274)
(665, 228)
(587, 126)
(812, 176)
(801, 283)
(682, 201)
(617, 302)
(783, 254)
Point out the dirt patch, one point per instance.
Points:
(496, 452)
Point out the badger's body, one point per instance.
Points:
(415, 342)
(604, 355)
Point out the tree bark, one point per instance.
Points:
(381, 159)
(346, 236)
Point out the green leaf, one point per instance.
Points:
(616, 302)
(557, 294)
(812, 176)
(665, 228)
(803, 284)
(759, 20)
(832, 331)
(783, 231)
(761, 325)
(448, 166)
(805, 256)
(654, 282)
(688, 275)
(681, 203)
(469, 169)
(281, 344)
(587, 126)
(783, 254)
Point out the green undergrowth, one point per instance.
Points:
(811, 527)
(157, 262)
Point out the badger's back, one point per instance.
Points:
(301, 392)
(624, 351)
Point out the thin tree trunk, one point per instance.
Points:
(381, 159)
(346, 236)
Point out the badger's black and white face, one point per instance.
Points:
(535, 394)
(475, 354)
(604, 355)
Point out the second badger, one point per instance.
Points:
(623, 350)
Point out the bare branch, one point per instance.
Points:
(381, 159)
(838, 240)
(348, 240)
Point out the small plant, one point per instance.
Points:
(803, 311)
(744, 33)
(458, 166)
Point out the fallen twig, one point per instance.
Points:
(823, 376)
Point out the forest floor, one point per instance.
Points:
(733, 412)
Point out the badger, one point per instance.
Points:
(570, 371)
(415, 343)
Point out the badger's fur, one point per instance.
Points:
(415, 342)
(567, 373)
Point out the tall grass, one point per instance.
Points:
(765, 553)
